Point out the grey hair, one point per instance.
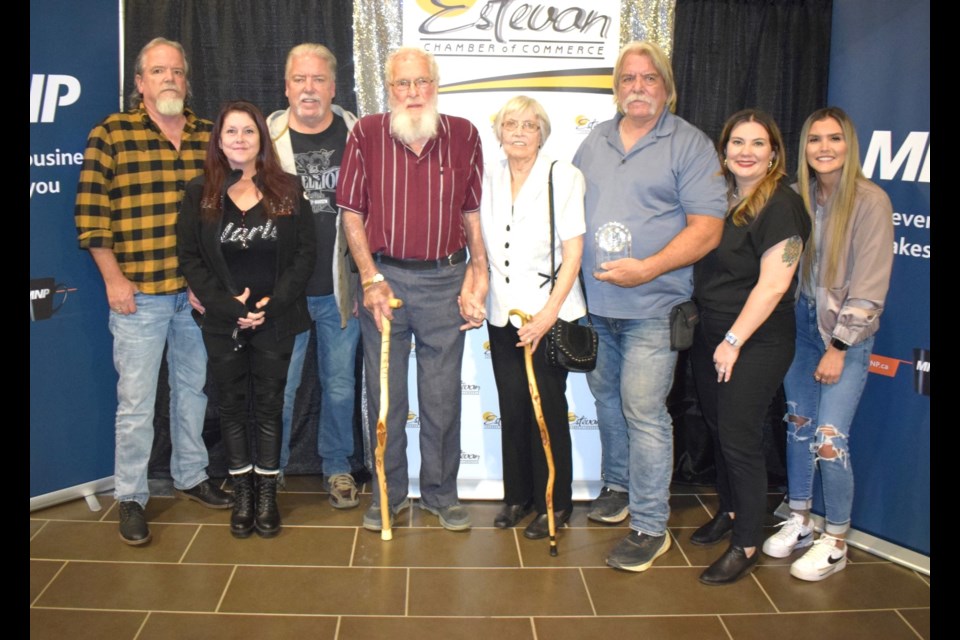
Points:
(519, 104)
(135, 97)
(311, 49)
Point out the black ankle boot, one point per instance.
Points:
(268, 515)
(241, 520)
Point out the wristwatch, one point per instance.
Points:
(732, 340)
(377, 277)
(839, 344)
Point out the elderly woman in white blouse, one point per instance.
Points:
(515, 218)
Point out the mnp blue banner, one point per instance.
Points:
(74, 83)
(880, 75)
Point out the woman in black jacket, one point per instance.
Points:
(246, 246)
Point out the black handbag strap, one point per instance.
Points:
(553, 268)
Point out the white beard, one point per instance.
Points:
(170, 106)
(409, 129)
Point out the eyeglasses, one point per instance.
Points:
(648, 79)
(526, 125)
(404, 85)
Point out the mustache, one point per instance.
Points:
(637, 97)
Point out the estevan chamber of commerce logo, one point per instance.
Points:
(585, 124)
(469, 458)
(413, 421)
(582, 422)
(469, 389)
(486, 349)
(47, 296)
(886, 366)
(491, 420)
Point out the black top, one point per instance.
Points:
(248, 240)
(724, 278)
(318, 157)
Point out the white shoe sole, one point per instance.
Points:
(784, 552)
(828, 571)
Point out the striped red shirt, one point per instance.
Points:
(413, 205)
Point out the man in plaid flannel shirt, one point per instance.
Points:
(135, 168)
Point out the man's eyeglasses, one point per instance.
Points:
(526, 125)
(404, 85)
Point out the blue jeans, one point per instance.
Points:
(821, 405)
(336, 360)
(138, 341)
(630, 385)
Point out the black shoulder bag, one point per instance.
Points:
(569, 345)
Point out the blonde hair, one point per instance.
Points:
(841, 213)
(660, 62)
(519, 104)
(311, 49)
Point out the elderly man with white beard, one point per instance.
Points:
(409, 192)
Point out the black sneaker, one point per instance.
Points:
(611, 506)
(207, 494)
(133, 524)
(637, 551)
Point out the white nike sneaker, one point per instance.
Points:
(821, 561)
(793, 534)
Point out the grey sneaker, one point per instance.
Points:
(611, 506)
(372, 520)
(637, 551)
(452, 518)
(343, 491)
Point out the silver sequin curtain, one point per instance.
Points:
(377, 31)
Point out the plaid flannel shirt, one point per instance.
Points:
(129, 194)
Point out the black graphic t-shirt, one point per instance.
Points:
(318, 157)
(249, 244)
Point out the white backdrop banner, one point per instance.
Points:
(488, 51)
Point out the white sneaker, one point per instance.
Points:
(793, 534)
(824, 559)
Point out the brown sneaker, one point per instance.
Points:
(343, 491)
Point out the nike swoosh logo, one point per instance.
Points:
(834, 560)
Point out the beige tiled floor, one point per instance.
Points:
(325, 577)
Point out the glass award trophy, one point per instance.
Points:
(611, 242)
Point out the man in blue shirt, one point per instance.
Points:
(658, 176)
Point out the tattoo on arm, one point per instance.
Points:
(792, 250)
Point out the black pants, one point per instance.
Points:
(524, 462)
(734, 412)
(264, 359)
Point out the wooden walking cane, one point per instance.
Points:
(386, 532)
(542, 424)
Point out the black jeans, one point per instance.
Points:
(734, 411)
(524, 462)
(264, 359)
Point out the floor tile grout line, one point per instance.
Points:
(516, 543)
(586, 588)
(37, 532)
(142, 625)
(353, 547)
(446, 616)
(923, 579)
(336, 631)
(907, 622)
(680, 547)
(52, 579)
(723, 624)
(753, 574)
(406, 596)
(107, 512)
(226, 587)
(189, 544)
(533, 628)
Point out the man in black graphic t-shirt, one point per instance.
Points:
(309, 138)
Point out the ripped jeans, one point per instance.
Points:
(811, 405)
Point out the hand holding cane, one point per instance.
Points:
(386, 532)
(542, 425)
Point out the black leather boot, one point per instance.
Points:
(241, 520)
(268, 515)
